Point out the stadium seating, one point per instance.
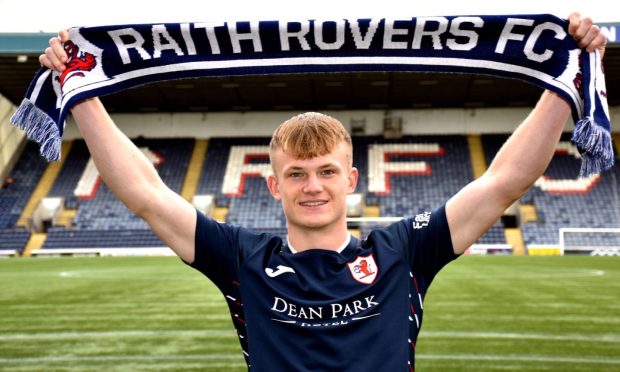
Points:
(102, 221)
(70, 173)
(595, 207)
(15, 194)
(256, 209)
(14, 239)
(214, 167)
(409, 194)
(419, 173)
(71, 238)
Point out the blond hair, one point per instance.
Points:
(309, 135)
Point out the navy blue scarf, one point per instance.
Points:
(534, 48)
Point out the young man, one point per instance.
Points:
(324, 300)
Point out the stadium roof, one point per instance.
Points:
(19, 62)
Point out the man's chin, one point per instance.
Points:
(313, 223)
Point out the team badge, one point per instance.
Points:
(364, 269)
(78, 63)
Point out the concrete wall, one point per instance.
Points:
(11, 139)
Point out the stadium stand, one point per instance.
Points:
(13, 240)
(450, 170)
(447, 172)
(566, 204)
(14, 196)
(101, 220)
(257, 209)
(102, 214)
(420, 173)
(214, 167)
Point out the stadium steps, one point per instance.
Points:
(65, 218)
(194, 169)
(528, 213)
(514, 237)
(372, 211)
(357, 233)
(44, 186)
(219, 214)
(34, 243)
(476, 153)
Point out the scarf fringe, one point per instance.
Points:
(39, 127)
(596, 146)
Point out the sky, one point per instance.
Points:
(42, 16)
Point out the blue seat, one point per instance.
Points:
(598, 207)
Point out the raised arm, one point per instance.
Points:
(521, 160)
(126, 171)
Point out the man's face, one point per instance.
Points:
(313, 191)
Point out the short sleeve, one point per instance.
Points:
(216, 250)
(431, 247)
(424, 240)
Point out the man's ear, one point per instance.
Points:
(353, 178)
(274, 188)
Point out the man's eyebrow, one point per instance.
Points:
(322, 166)
(327, 165)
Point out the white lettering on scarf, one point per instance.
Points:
(508, 34)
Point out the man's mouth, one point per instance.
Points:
(313, 203)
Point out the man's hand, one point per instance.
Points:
(586, 34)
(55, 56)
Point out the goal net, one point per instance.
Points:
(590, 241)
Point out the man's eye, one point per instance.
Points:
(296, 174)
(328, 172)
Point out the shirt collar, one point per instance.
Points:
(339, 250)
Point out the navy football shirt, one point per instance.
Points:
(359, 309)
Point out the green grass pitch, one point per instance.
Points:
(490, 313)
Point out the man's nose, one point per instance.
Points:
(313, 184)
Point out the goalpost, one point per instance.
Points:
(592, 241)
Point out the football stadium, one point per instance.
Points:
(86, 285)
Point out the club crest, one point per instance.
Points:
(364, 269)
(78, 63)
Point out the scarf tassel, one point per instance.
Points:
(595, 144)
(39, 127)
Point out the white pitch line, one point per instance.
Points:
(128, 318)
(116, 334)
(97, 308)
(613, 338)
(609, 338)
(128, 358)
(235, 356)
(557, 273)
(525, 358)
